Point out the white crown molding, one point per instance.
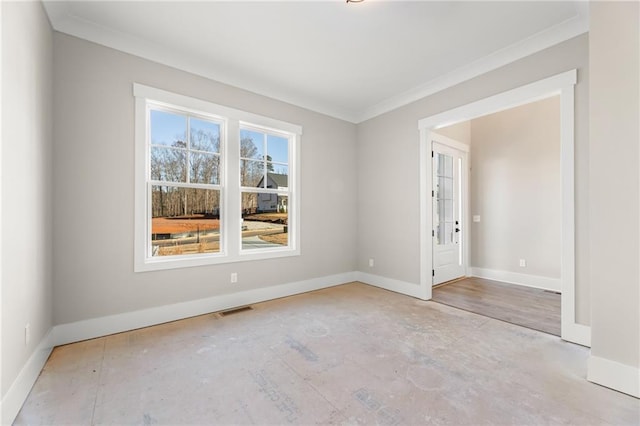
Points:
(537, 42)
(64, 22)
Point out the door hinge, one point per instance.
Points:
(433, 233)
(433, 272)
(433, 193)
(431, 154)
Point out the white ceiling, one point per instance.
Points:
(351, 61)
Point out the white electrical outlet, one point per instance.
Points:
(234, 277)
(371, 263)
(27, 334)
(476, 218)
(523, 263)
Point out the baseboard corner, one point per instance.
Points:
(19, 390)
(397, 286)
(614, 375)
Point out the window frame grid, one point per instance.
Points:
(231, 121)
(292, 220)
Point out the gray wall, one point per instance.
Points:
(614, 182)
(388, 168)
(26, 183)
(515, 188)
(94, 191)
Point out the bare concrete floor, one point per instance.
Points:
(352, 354)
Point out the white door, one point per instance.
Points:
(448, 173)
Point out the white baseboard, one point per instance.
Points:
(577, 333)
(535, 281)
(614, 375)
(571, 331)
(402, 287)
(103, 326)
(21, 386)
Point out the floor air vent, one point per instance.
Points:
(235, 311)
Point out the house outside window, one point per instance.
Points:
(213, 184)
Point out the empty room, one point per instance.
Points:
(236, 212)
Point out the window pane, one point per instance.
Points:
(168, 164)
(448, 166)
(205, 168)
(265, 219)
(184, 221)
(444, 165)
(448, 188)
(448, 210)
(251, 173)
(251, 144)
(278, 176)
(444, 234)
(205, 135)
(168, 129)
(277, 149)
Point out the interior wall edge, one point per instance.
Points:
(19, 390)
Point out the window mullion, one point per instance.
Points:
(188, 145)
(264, 160)
(194, 242)
(232, 208)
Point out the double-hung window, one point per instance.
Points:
(264, 181)
(213, 184)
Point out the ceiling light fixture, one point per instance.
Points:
(355, 1)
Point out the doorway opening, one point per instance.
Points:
(562, 85)
(514, 200)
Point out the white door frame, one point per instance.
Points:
(464, 197)
(563, 85)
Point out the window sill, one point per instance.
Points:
(170, 262)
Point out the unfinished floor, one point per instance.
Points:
(352, 354)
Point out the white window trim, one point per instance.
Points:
(230, 212)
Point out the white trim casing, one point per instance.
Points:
(2, 409)
(230, 212)
(148, 92)
(563, 85)
(614, 375)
